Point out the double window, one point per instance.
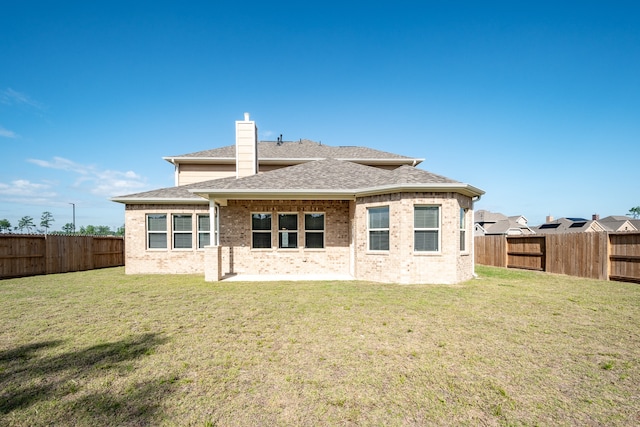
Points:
(204, 231)
(426, 228)
(261, 230)
(287, 230)
(314, 230)
(157, 231)
(378, 228)
(181, 231)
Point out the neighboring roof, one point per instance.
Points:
(303, 150)
(497, 223)
(483, 216)
(568, 225)
(328, 178)
(618, 223)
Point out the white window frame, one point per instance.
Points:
(156, 232)
(282, 233)
(464, 245)
(202, 232)
(371, 229)
(321, 232)
(270, 231)
(176, 232)
(437, 229)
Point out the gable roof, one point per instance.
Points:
(618, 223)
(272, 152)
(569, 225)
(327, 178)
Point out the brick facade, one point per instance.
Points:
(140, 260)
(345, 241)
(239, 258)
(400, 264)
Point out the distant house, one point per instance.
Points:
(289, 208)
(595, 224)
(619, 223)
(490, 223)
(569, 225)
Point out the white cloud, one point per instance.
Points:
(13, 97)
(62, 164)
(101, 182)
(6, 133)
(22, 188)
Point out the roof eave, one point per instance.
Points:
(292, 161)
(200, 160)
(324, 194)
(456, 187)
(160, 200)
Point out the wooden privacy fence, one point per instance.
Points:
(604, 256)
(30, 255)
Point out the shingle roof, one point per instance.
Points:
(328, 175)
(568, 225)
(303, 149)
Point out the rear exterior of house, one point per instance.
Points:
(302, 208)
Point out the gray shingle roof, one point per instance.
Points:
(327, 175)
(303, 149)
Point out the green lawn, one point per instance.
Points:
(509, 348)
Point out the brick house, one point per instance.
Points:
(302, 208)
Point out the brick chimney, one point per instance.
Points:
(595, 217)
(549, 219)
(246, 147)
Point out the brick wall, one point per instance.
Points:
(401, 264)
(343, 253)
(139, 260)
(235, 239)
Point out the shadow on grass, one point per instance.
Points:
(28, 375)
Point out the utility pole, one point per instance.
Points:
(74, 216)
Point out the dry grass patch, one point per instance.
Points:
(509, 348)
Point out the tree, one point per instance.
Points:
(120, 231)
(26, 222)
(103, 230)
(635, 212)
(68, 228)
(45, 220)
(5, 225)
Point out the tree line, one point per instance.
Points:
(26, 224)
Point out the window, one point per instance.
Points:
(426, 228)
(156, 231)
(314, 230)
(378, 228)
(204, 231)
(182, 236)
(261, 230)
(463, 230)
(288, 230)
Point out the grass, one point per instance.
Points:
(509, 348)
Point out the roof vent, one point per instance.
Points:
(279, 140)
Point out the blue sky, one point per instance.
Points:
(537, 103)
